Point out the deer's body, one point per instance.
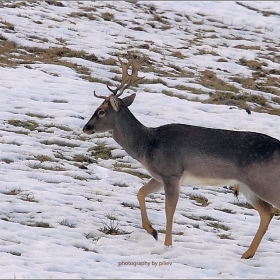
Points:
(176, 154)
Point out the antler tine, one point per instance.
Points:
(128, 79)
(114, 91)
(125, 76)
(99, 96)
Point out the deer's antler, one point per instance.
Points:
(128, 79)
(99, 96)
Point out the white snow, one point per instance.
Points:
(76, 203)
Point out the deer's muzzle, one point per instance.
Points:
(88, 130)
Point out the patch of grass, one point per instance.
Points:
(61, 127)
(55, 3)
(8, 25)
(28, 197)
(269, 89)
(209, 79)
(7, 160)
(272, 111)
(135, 173)
(59, 155)
(13, 143)
(200, 200)
(110, 225)
(207, 218)
(244, 205)
(153, 81)
(246, 82)
(229, 211)
(191, 217)
(12, 54)
(191, 89)
(273, 81)
(40, 224)
(61, 40)
(252, 64)
(43, 158)
(225, 236)
(129, 205)
(15, 253)
(21, 132)
(118, 166)
(121, 185)
(93, 79)
(44, 167)
(65, 223)
(90, 16)
(59, 101)
(204, 51)
(175, 67)
(80, 178)
(83, 158)
(107, 16)
(7, 48)
(277, 213)
(170, 93)
(232, 99)
(246, 47)
(89, 9)
(276, 99)
(159, 18)
(14, 5)
(218, 226)
(201, 22)
(109, 61)
(38, 115)
(165, 27)
(60, 143)
(13, 192)
(30, 125)
(163, 231)
(137, 28)
(200, 218)
(101, 151)
(222, 60)
(37, 22)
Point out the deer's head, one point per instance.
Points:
(105, 115)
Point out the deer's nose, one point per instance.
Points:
(87, 130)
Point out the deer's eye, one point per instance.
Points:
(101, 113)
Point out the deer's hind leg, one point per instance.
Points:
(266, 212)
(152, 186)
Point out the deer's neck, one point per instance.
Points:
(131, 134)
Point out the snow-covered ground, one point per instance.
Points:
(57, 196)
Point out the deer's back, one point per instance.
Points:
(176, 148)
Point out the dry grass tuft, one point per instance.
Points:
(209, 79)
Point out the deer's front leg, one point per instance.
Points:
(152, 186)
(172, 190)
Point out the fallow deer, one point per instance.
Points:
(176, 154)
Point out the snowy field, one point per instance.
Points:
(60, 190)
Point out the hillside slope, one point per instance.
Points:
(63, 192)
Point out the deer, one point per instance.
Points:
(180, 154)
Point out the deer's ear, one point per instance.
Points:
(115, 103)
(129, 99)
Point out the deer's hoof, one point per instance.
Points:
(247, 255)
(155, 234)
